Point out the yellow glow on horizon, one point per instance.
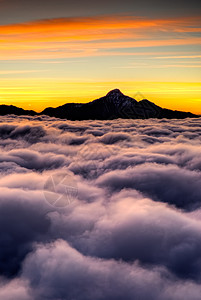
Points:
(39, 94)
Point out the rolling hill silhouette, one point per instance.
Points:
(112, 106)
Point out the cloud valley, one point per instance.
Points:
(132, 230)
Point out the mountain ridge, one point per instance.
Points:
(113, 105)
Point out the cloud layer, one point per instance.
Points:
(100, 209)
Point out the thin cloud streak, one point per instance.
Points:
(11, 72)
(65, 50)
(179, 56)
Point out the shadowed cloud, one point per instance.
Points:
(133, 227)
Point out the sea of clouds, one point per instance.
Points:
(121, 219)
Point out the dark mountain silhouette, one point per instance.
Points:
(112, 106)
(14, 110)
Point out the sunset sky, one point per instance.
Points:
(53, 52)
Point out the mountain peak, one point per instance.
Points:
(112, 106)
(115, 92)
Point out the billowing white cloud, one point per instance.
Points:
(100, 209)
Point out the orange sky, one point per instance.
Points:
(49, 62)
